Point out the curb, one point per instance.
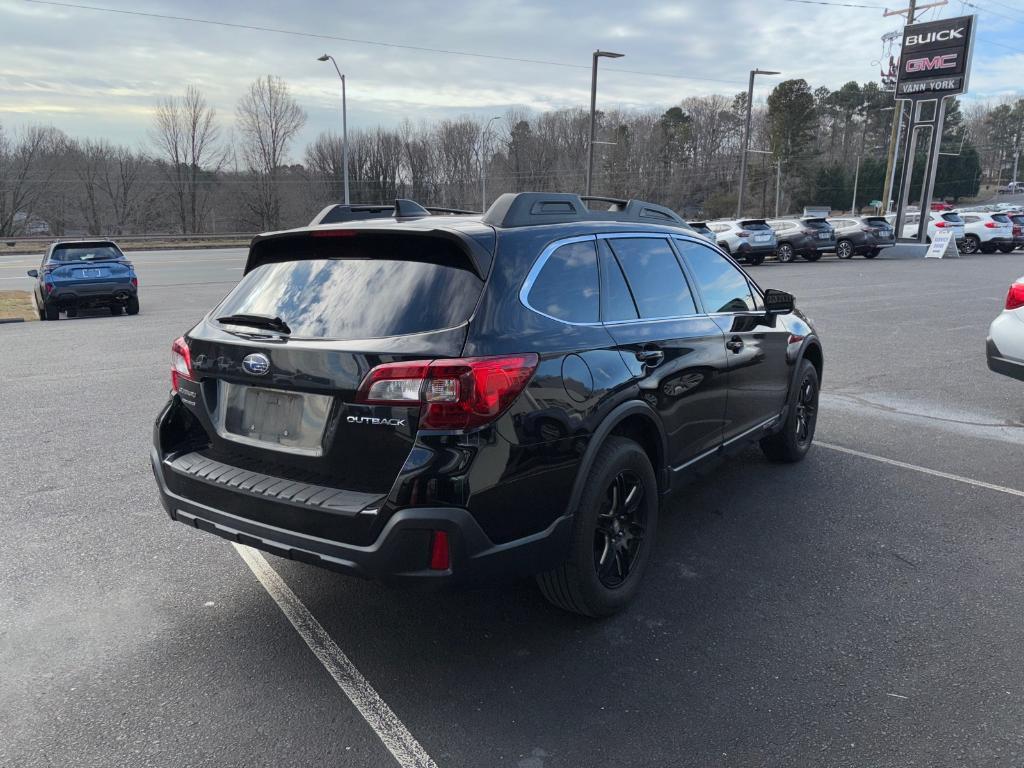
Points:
(11, 320)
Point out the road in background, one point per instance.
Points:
(838, 612)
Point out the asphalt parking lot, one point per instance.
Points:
(858, 609)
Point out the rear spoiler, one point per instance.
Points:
(313, 242)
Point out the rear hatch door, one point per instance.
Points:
(760, 233)
(349, 303)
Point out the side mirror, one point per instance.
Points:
(778, 302)
(33, 273)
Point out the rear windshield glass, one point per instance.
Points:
(755, 226)
(953, 218)
(99, 252)
(876, 221)
(817, 224)
(357, 298)
(1002, 218)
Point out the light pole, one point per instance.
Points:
(593, 108)
(483, 163)
(746, 137)
(344, 124)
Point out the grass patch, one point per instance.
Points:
(17, 304)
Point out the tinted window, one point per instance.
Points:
(617, 302)
(723, 287)
(655, 277)
(1002, 218)
(782, 226)
(816, 224)
(98, 252)
(970, 219)
(756, 225)
(953, 217)
(357, 298)
(566, 287)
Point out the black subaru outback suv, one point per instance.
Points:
(448, 399)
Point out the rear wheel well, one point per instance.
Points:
(643, 431)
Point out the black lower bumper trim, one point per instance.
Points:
(400, 553)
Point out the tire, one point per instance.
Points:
(791, 443)
(40, 312)
(812, 256)
(115, 310)
(872, 253)
(132, 307)
(52, 312)
(972, 244)
(73, 312)
(610, 550)
(785, 253)
(1007, 248)
(755, 261)
(844, 249)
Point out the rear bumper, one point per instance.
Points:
(749, 249)
(401, 552)
(91, 293)
(997, 363)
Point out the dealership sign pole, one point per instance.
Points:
(935, 64)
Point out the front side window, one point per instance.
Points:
(723, 287)
(566, 287)
(655, 278)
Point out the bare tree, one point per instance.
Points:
(27, 169)
(186, 136)
(267, 119)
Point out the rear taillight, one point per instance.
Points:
(992, 225)
(135, 282)
(181, 362)
(453, 394)
(1015, 298)
(941, 224)
(743, 233)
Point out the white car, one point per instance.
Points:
(749, 240)
(1005, 343)
(936, 220)
(986, 232)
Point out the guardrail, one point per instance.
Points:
(171, 236)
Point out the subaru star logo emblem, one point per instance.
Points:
(257, 364)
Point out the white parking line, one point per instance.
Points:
(385, 723)
(923, 470)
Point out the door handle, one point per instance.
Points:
(650, 357)
(735, 344)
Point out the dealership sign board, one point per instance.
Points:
(936, 59)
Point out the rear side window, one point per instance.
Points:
(357, 298)
(566, 287)
(782, 226)
(617, 301)
(723, 287)
(655, 278)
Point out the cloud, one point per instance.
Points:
(93, 73)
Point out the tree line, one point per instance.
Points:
(198, 173)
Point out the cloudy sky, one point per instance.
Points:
(99, 74)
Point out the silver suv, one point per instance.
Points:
(749, 240)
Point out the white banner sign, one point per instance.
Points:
(943, 246)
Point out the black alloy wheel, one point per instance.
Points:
(792, 441)
(785, 253)
(972, 244)
(614, 528)
(844, 249)
(620, 530)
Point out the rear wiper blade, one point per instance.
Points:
(257, 321)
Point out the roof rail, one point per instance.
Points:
(338, 213)
(525, 209)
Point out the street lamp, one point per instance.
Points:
(483, 163)
(344, 124)
(746, 137)
(593, 108)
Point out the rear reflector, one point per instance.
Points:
(453, 394)
(1015, 298)
(440, 552)
(181, 362)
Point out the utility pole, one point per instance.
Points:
(746, 138)
(778, 186)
